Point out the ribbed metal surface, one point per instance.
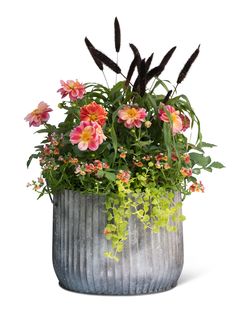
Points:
(149, 262)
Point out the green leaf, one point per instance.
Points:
(110, 176)
(42, 131)
(217, 164)
(196, 171)
(30, 159)
(143, 143)
(146, 218)
(204, 144)
(200, 159)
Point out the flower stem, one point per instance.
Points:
(105, 79)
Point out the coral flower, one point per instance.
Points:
(123, 176)
(39, 115)
(132, 116)
(138, 164)
(88, 135)
(176, 119)
(186, 172)
(123, 155)
(93, 112)
(186, 158)
(197, 187)
(74, 89)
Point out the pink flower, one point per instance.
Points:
(39, 115)
(185, 122)
(88, 135)
(74, 89)
(175, 117)
(93, 112)
(132, 116)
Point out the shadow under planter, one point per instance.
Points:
(149, 263)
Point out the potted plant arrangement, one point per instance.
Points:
(117, 170)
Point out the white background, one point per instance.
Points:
(41, 43)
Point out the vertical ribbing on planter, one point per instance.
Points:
(150, 262)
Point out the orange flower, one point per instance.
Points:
(186, 158)
(197, 187)
(106, 231)
(161, 157)
(123, 176)
(93, 112)
(186, 172)
(166, 166)
(138, 164)
(123, 155)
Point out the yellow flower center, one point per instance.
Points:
(93, 117)
(86, 135)
(36, 111)
(132, 112)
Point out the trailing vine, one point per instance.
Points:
(131, 142)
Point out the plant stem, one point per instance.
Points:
(174, 91)
(117, 60)
(153, 83)
(105, 79)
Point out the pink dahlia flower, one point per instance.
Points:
(40, 115)
(88, 135)
(176, 119)
(74, 89)
(93, 112)
(185, 122)
(132, 116)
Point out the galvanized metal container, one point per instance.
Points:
(149, 263)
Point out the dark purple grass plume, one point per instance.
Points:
(90, 47)
(187, 66)
(117, 35)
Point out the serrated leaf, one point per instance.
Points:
(217, 164)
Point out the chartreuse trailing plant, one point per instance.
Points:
(131, 142)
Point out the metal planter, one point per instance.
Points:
(149, 263)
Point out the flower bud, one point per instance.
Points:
(148, 124)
